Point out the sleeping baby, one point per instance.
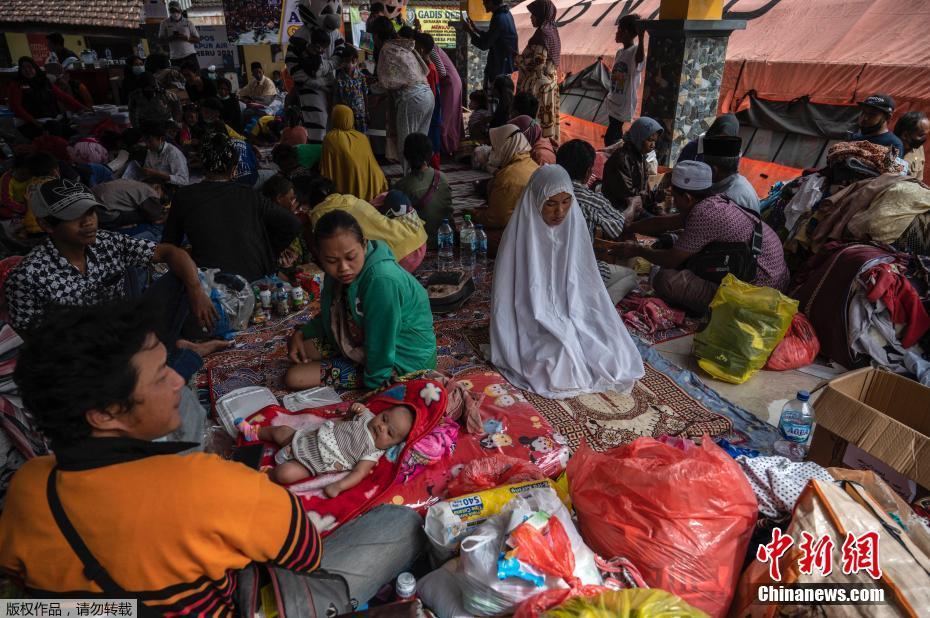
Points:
(355, 443)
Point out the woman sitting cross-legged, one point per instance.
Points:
(348, 160)
(554, 329)
(375, 321)
(512, 167)
(427, 188)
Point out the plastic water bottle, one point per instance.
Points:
(140, 50)
(796, 426)
(406, 587)
(467, 245)
(446, 237)
(108, 54)
(281, 298)
(481, 253)
(481, 244)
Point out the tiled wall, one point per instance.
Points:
(681, 87)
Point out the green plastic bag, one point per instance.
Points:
(630, 603)
(746, 323)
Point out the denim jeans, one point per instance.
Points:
(167, 297)
(145, 231)
(614, 131)
(373, 549)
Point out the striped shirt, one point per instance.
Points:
(172, 528)
(337, 445)
(599, 213)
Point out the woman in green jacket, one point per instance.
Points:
(375, 321)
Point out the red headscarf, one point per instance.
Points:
(546, 34)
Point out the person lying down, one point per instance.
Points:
(355, 443)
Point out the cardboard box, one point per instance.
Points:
(885, 415)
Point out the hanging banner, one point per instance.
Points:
(38, 47)
(290, 21)
(434, 20)
(214, 48)
(251, 22)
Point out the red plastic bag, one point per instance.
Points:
(799, 348)
(494, 471)
(550, 552)
(682, 516)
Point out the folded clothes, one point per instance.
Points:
(649, 315)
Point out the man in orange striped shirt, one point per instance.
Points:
(167, 528)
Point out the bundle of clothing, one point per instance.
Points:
(862, 194)
(881, 297)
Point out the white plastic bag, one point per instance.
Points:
(232, 297)
(483, 594)
(242, 403)
(316, 397)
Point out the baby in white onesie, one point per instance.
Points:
(355, 444)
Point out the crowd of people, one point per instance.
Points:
(111, 337)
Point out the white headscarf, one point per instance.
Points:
(507, 141)
(554, 330)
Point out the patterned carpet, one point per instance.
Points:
(668, 400)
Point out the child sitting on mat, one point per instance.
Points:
(355, 443)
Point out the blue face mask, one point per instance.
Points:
(137, 70)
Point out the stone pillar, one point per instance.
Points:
(474, 58)
(684, 70)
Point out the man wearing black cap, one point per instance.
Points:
(722, 154)
(874, 114)
(725, 124)
(78, 265)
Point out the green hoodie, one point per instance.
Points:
(392, 309)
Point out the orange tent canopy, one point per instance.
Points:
(834, 51)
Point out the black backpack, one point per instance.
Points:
(740, 259)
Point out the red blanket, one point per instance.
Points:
(426, 398)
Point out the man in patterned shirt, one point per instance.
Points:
(79, 265)
(577, 157)
(705, 220)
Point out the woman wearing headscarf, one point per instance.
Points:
(539, 66)
(402, 72)
(542, 148)
(512, 167)
(404, 235)
(554, 329)
(626, 179)
(32, 97)
(347, 158)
